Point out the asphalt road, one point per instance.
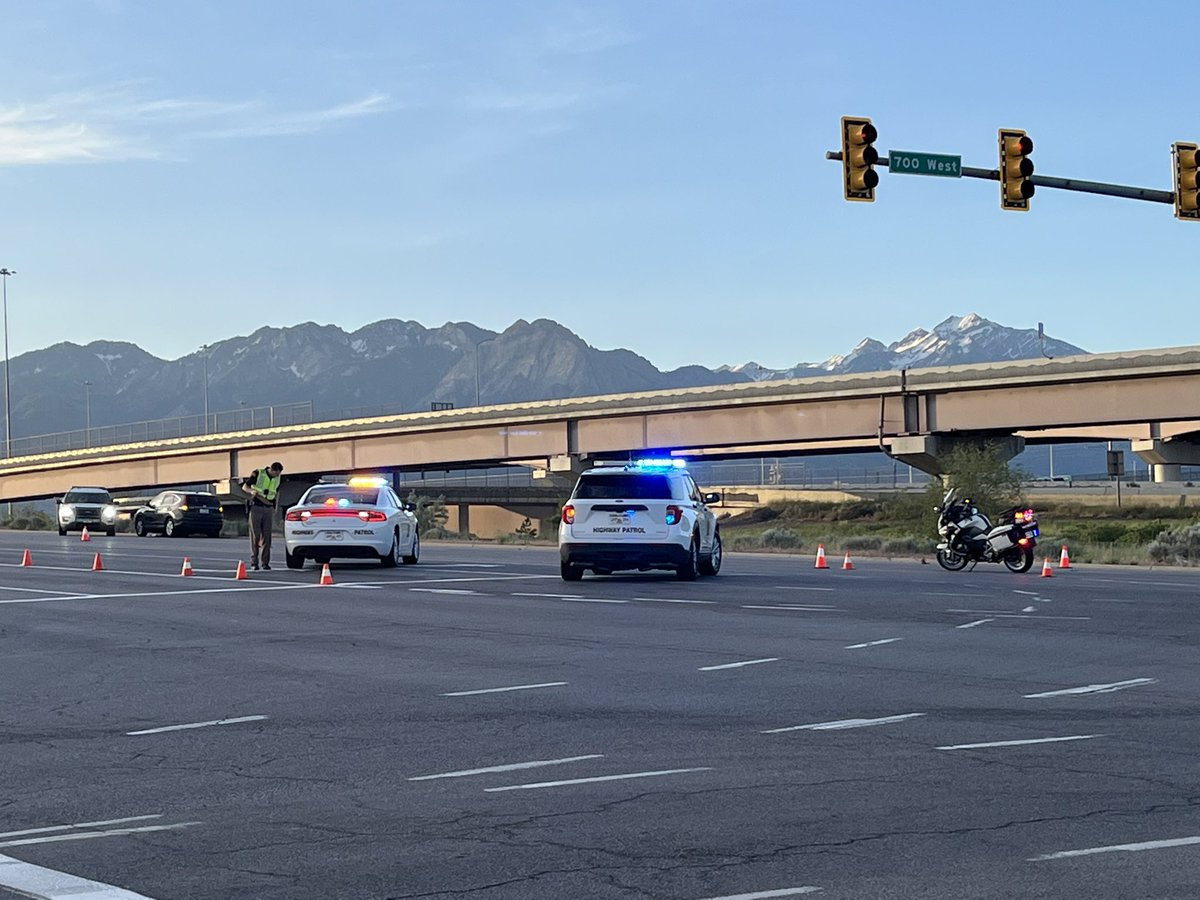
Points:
(474, 727)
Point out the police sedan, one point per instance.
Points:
(359, 519)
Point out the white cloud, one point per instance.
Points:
(120, 122)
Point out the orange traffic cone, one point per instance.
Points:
(187, 567)
(1046, 571)
(85, 536)
(326, 575)
(240, 574)
(97, 564)
(1064, 561)
(821, 564)
(26, 559)
(847, 564)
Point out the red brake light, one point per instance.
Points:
(293, 515)
(674, 514)
(1024, 542)
(372, 515)
(568, 514)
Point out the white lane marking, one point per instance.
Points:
(191, 725)
(844, 723)
(763, 895)
(50, 884)
(873, 643)
(361, 587)
(501, 690)
(1029, 609)
(1049, 740)
(510, 767)
(1096, 688)
(47, 829)
(457, 591)
(1118, 848)
(800, 608)
(794, 587)
(88, 835)
(671, 600)
(572, 598)
(1000, 614)
(1027, 593)
(28, 590)
(976, 622)
(463, 565)
(549, 784)
(939, 594)
(737, 665)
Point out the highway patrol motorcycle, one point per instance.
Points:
(968, 536)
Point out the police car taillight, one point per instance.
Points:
(568, 514)
(674, 514)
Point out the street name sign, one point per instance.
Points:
(908, 162)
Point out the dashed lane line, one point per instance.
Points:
(550, 784)
(1021, 743)
(1118, 848)
(1095, 688)
(89, 835)
(1000, 614)
(975, 624)
(50, 884)
(738, 665)
(504, 690)
(508, 767)
(763, 895)
(190, 725)
(570, 598)
(842, 724)
(873, 643)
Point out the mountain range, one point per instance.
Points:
(397, 366)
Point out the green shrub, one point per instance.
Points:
(869, 542)
(903, 546)
(781, 539)
(1177, 546)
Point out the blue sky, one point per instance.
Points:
(650, 174)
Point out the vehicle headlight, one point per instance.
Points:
(109, 513)
(66, 513)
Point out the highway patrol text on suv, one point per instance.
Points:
(644, 515)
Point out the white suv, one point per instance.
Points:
(645, 515)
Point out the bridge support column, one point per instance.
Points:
(1168, 456)
(927, 451)
(464, 519)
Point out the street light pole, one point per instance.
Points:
(4, 273)
(87, 406)
(204, 352)
(479, 344)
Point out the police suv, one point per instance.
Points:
(643, 515)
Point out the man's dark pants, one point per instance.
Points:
(261, 520)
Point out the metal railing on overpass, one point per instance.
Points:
(240, 419)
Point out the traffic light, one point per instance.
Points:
(858, 157)
(1016, 169)
(1187, 180)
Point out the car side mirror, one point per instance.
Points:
(713, 497)
(58, 501)
(409, 507)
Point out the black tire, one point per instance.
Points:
(712, 565)
(139, 527)
(951, 561)
(62, 532)
(1019, 561)
(169, 529)
(689, 570)
(112, 531)
(293, 560)
(213, 534)
(570, 572)
(415, 557)
(322, 560)
(390, 559)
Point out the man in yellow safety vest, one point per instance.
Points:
(263, 488)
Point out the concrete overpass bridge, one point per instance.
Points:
(1151, 397)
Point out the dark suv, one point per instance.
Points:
(87, 507)
(176, 513)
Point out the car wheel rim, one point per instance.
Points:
(716, 553)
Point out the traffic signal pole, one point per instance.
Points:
(1063, 184)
